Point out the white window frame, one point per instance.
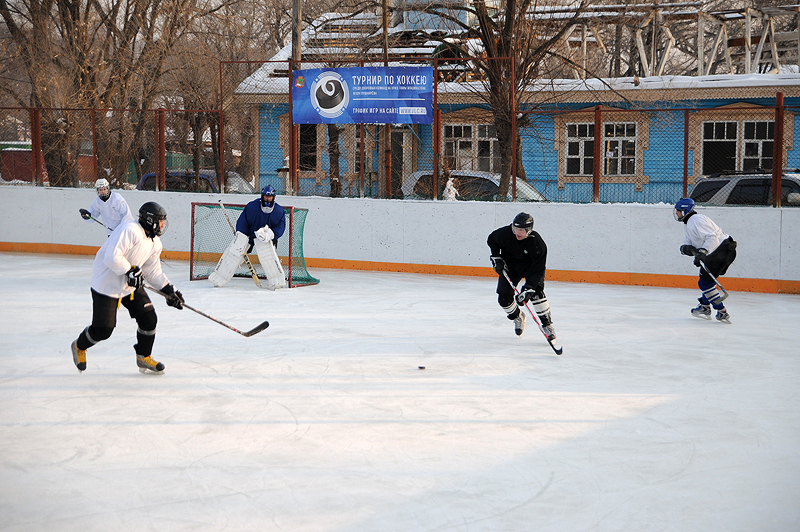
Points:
(618, 139)
(468, 146)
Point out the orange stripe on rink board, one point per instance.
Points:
(769, 286)
(633, 279)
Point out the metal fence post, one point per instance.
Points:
(598, 162)
(777, 151)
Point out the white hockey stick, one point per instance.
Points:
(246, 258)
(724, 292)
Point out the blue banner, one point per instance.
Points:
(365, 95)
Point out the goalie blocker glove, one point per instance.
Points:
(174, 297)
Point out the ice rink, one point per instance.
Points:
(651, 420)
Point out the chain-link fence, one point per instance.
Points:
(718, 154)
(158, 149)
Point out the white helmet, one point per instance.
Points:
(103, 183)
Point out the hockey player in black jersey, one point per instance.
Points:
(521, 252)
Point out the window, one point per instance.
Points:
(471, 147)
(719, 147)
(758, 142)
(580, 149)
(307, 156)
(620, 149)
(750, 192)
(488, 149)
(705, 190)
(788, 187)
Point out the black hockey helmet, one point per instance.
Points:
(151, 215)
(523, 221)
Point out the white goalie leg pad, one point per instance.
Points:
(231, 259)
(271, 263)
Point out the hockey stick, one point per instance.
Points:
(558, 350)
(724, 292)
(250, 267)
(101, 223)
(255, 330)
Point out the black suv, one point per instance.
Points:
(746, 188)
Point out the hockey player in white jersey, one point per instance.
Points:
(714, 249)
(109, 207)
(129, 257)
(260, 225)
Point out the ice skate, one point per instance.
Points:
(550, 332)
(148, 365)
(723, 316)
(78, 356)
(519, 323)
(702, 311)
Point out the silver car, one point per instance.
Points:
(746, 188)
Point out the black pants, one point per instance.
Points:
(719, 261)
(104, 320)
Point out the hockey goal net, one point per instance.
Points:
(211, 234)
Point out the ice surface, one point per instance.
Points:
(651, 420)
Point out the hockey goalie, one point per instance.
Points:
(260, 225)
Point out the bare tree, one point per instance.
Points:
(83, 54)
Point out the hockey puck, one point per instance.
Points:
(421, 367)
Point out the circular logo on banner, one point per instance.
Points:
(329, 94)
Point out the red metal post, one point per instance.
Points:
(293, 156)
(777, 151)
(161, 159)
(598, 153)
(94, 142)
(513, 135)
(221, 138)
(685, 153)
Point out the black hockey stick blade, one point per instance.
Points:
(255, 330)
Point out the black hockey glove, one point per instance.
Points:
(498, 264)
(135, 278)
(700, 256)
(174, 297)
(687, 249)
(526, 294)
(85, 214)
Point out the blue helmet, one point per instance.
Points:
(267, 196)
(683, 208)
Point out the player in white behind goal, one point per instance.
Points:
(261, 223)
